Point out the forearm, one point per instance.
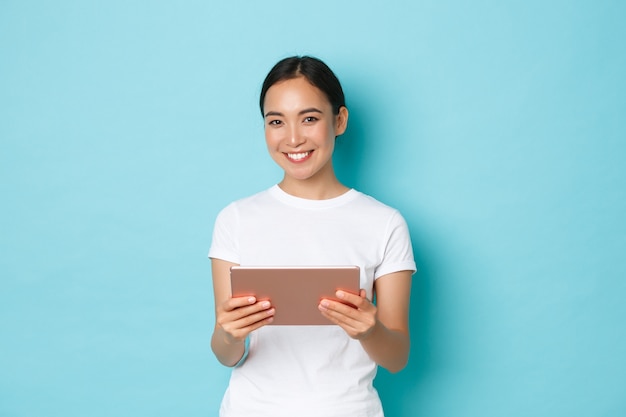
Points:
(388, 348)
(227, 353)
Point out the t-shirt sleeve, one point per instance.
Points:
(225, 242)
(398, 254)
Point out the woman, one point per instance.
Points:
(310, 218)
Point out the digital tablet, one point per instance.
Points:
(295, 292)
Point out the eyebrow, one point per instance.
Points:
(300, 113)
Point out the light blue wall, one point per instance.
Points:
(497, 128)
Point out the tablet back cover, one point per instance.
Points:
(295, 292)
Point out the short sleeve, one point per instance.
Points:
(398, 255)
(225, 242)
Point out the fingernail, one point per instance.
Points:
(340, 294)
(325, 303)
(265, 304)
(251, 300)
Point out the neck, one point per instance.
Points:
(313, 188)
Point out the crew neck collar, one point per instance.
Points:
(300, 202)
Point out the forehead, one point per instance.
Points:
(293, 94)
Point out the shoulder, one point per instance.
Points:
(371, 206)
(260, 198)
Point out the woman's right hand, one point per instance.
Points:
(238, 316)
(235, 317)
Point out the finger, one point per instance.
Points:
(351, 319)
(359, 301)
(236, 314)
(239, 334)
(339, 310)
(261, 323)
(237, 302)
(349, 325)
(240, 328)
(253, 319)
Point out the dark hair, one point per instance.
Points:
(314, 70)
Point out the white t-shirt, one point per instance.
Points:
(309, 370)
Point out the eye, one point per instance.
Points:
(274, 122)
(310, 119)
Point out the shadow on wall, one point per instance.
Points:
(348, 159)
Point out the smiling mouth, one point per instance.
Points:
(299, 156)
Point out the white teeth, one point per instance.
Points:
(298, 156)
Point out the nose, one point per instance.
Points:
(295, 138)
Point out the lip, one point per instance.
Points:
(300, 156)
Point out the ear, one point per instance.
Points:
(341, 121)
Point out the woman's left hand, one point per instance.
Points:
(358, 321)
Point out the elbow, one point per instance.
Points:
(396, 367)
(397, 363)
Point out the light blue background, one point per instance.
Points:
(497, 128)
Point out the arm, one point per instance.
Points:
(235, 318)
(383, 330)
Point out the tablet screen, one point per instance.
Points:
(295, 292)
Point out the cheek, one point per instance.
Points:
(322, 133)
(271, 137)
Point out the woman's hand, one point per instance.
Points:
(382, 329)
(237, 317)
(358, 319)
